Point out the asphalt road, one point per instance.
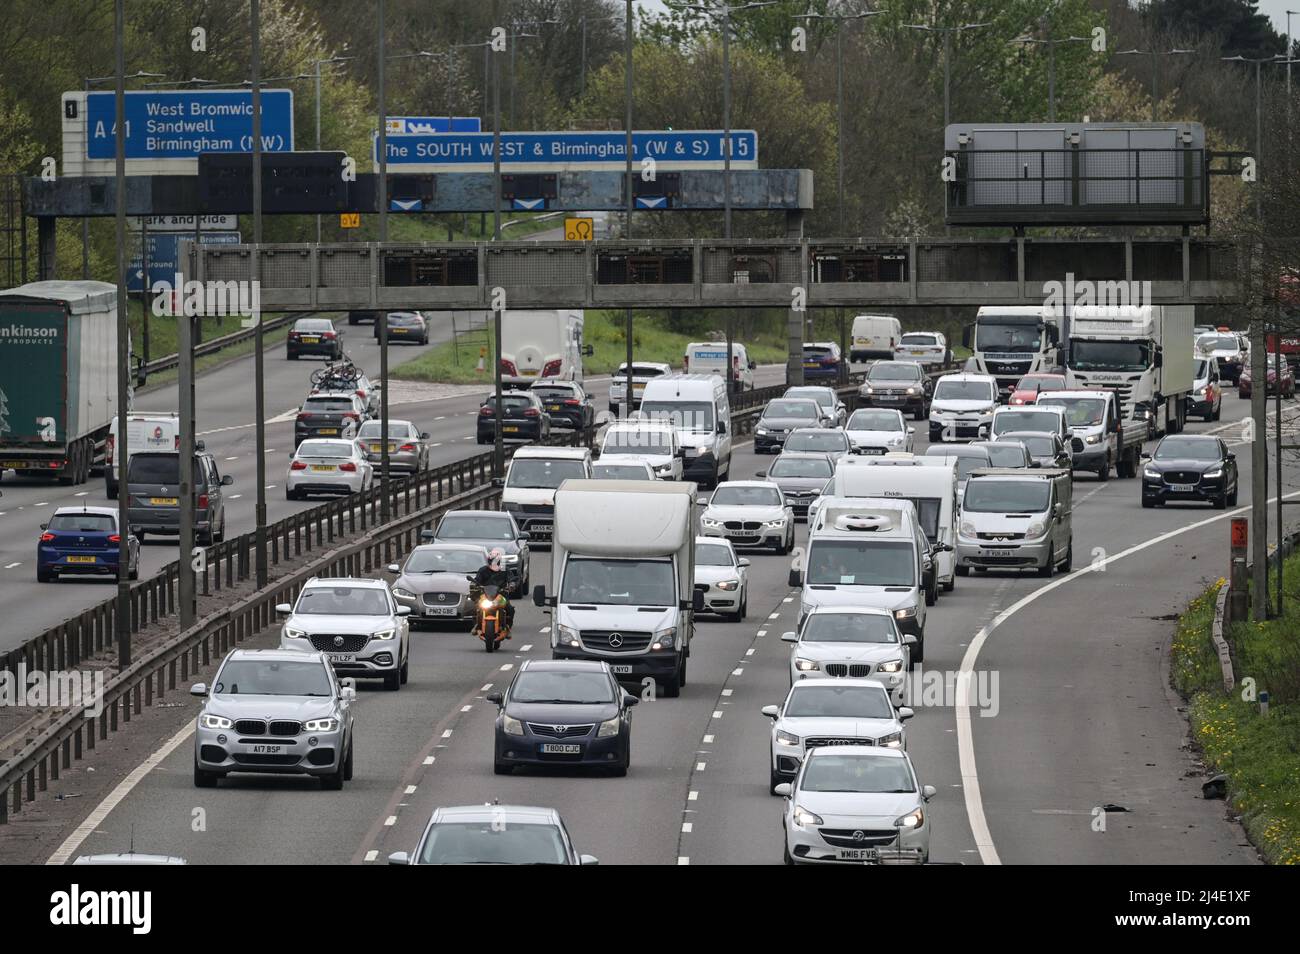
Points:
(1083, 719)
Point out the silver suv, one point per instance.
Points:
(274, 712)
(356, 623)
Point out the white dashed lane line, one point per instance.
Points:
(10, 566)
(371, 855)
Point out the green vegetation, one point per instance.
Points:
(1259, 754)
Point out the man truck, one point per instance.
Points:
(1010, 341)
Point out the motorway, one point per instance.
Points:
(1081, 718)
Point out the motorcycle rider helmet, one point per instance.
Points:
(494, 558)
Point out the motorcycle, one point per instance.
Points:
(491, 619)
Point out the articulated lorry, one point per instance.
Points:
(1142, 353)
(1010, 341)
(58, 377)
(623, 577)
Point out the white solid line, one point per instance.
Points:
(372, 854)
(390, 820)
(10, 566)
(124, 787)
(965, 740)
(708, 740)
(410, 790)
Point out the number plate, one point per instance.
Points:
(510, 430)
(540, 528)
(440, 610)
(561, 748)
(1182, 488)
(553, 407)
(267, 749)
(15, 464)
(163, 501)
(323, 468)
(397, 331)
(81, 559)
(342, 657)
(856, 854)
(623, 669)
(378, 448)
(328, 430)
(311, 341)
(918, 352)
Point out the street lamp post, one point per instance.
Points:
(1155, 72)
(316, 66)
(259, 400)
(1051, 43)
(583, 20)
(947, 32)
(629, 395)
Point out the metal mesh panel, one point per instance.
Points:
(752, 265)
(422, 266)
(542, 266)
(286, 269)
(886, 263)
(1091, 261)
(641, 265)
(966, 263)
(344, 267)
(1158, 261)
(1214, 262)
(226, 266)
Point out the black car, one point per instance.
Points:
(406, 326)
(900, 384)
(1190, 467)
(567, 403)
(356, 317)
(313, 336)
(783, 415)
(338, 414)
(523, 418)
(564, 712)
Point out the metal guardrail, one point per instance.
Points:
(220, 343)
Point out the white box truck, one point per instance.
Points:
(623, 577)
(1141, 353)
(542, 344)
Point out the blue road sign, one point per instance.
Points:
(568, 151)
(419, 125)
(180, 124)
(164, 255)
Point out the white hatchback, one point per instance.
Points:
(327, 466)
(879, 430)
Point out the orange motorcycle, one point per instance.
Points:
(492, 619)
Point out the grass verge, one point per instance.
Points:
(1259, 754)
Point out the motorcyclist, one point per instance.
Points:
(494, 574)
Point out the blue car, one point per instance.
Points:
(83, 541)
(821, 361)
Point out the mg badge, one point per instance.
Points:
(338, 641)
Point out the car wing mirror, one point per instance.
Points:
(399, 858)
(495, 698)
(403, 610)
(199, 689)
(789, 637)
(772, 712)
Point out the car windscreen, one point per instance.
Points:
(1011, 336)
(801, 467)
(444, 561)
(557, 687)
(1079, 412)
(494, 842)
(683, 415)
(889, 371)
(919, 340)
(83, 522)
(618, 582)
(861, 563)
(869, 420)
(1110, 355)
(510, 403)
(849, 628)
(1038, 445)
(256, 677)
(803, 410)
(620, 472)
(543, 474)
(157, 469)
(988, 495)
(963, 391)
(326, 405)
(313, 324)
(810, 351)
(324, 449)
(639, 371)
(1040, 383)
(342, 601)
(829, 771)
(1006, 455)
(1018, 420)
(654, 442)
(554, 394)
(713, 555)
(839, 702)
(396, 430)
(1218, 343)
(746, 497)
(1181, 448)
(817, 441)
(475, 527)
(822, 396)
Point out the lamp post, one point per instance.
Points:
(582, 21)
(316, 65)
(629, 395)
(1155, 72)
(947, 32)
(1051, 43)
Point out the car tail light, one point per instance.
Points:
(485, 411)
(349, 467)
(351, 416)
(177, 442)
(115, 538)
(407, 447)
(532, 412)
(203, 501)
(55, 465)
(303, 415)
(293, 336)
(572, 402)
(46, 537)
(361, 394)
(108, 448)
(508, 367)
(297, 465)
(328, 334)
(551, 368)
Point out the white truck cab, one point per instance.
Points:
(1010, 341)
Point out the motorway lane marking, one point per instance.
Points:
(410, 789)
(965, 738)
(683, 860)
(235, 496)
(428, 760)
(41, 504)
(507, 666)
(545, 629)
(446, 733)
(774, 616)
(439, 444)
(749, 652)
(761, 632)
(390, 820)
(737, 672)
(686, 827)
(371, 855)
(727, 692)
(466, 708)
(693, 797)
(486, 687)
(525, 647)
(102, 810)
(699, 766)
(717, 714)
(81, 493)
(788, 599)
(232, 458)
(10, 566)
(708, 740)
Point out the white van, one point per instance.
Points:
(710, 357)
(866, 552)
(874, 336)
(145, 431)
(532, 477)
(933, 490)
(542, 344)
(698, 408)
(645, 442)
(1017, 519)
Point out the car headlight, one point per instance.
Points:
(292, 632)
(1093, 439)
(728, 585)
(776, 524)
(893, 741)
(913, 819)
(209, 721)
(567, 636)
(664, 469)
(609, 727)
(384, 634)
(786, 738)
(911, 390)
(511, 726)
(664, 639)
(894, 441)
(1150, 474)
(907, 612)
(1213, 474)
(510, 559)
(320, 725)
(806, 665)
(968, 528)
(711, 523)
(1035, 529)
(804, 818)
(404, 594)
(894, 665)
(867, 389)
(761, 431)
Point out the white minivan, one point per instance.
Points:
(710, 357)
(145, 431)
(542, 344)
(698, 408)
(874, 336)
(532, 477)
